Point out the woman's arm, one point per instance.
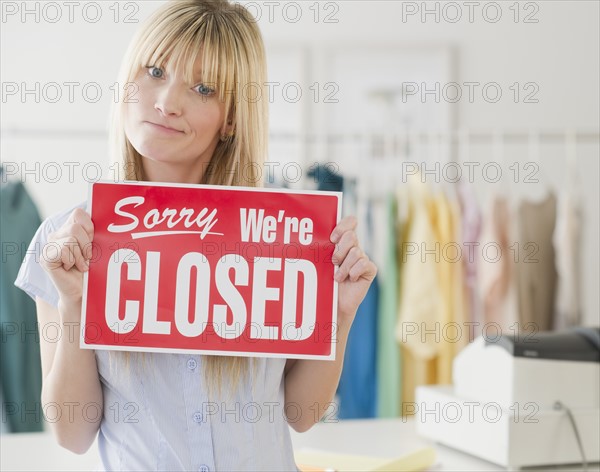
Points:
(71, 390)
(310, 385)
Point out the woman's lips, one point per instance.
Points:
(163, 129)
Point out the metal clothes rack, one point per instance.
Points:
(318, 147)
(386, 149)
(476, 135)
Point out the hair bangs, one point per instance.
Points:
(180, 41)
(218, 65)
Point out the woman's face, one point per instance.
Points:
(175, 125)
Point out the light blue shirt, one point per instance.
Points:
(158, 414)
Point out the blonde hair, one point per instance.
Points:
(233, 62)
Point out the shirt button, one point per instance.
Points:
(197, 417)
(192, 364)
(203, 468)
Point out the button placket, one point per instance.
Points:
(199, 424)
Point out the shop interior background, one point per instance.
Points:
(524, 68)
(369, 88)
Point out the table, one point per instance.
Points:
(379, 437)
(393, 437)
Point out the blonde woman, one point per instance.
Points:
(183, 121)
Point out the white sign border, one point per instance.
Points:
(331, 356)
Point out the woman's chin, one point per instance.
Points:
(158, 155)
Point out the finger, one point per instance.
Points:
(71, 254)
(81, 217)
(363, 268)
(56, 255)
(346, 224)
(354, 255)
(51, 254)
(81, 236)
(347, 241)
(81, 262)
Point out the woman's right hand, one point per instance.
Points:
(67, 253)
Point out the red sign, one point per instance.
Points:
(211, 270)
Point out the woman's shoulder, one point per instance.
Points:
(32, 278)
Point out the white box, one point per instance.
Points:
(520, 436)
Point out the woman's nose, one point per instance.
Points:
(169, 101)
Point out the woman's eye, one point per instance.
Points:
(204, 89)
(155, 72)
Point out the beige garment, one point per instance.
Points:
(415, 371)
(536, 269)
(567, 245)
(421, 305)
(450, 273)
(431, 290)
(461, 314)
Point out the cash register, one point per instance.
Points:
(520, 400)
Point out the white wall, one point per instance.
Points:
(560, 53)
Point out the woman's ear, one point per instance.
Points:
(228, 130)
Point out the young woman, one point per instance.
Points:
(184, 120)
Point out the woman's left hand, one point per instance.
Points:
(355, 272)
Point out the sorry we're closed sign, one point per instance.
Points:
(212, 270)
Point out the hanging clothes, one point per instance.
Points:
(453, 333)
(431, 315)
(326, 179)
(21, 373)
(567, 246)
(389, 394)
(421, 304)
(3, 424)
(358, 382)
(420, 298)
(536, 270)
(357, 389)
(442, 227)
(496, 268)
(375, 213)
(471, 222)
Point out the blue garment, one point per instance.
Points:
(158, 414)
(20, 366)
(358, 383)
(357, 390)
(326, 179)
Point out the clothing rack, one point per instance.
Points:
(477, 135)
(444, 146)
(584, 135)
(387, 149)
(452, 145)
